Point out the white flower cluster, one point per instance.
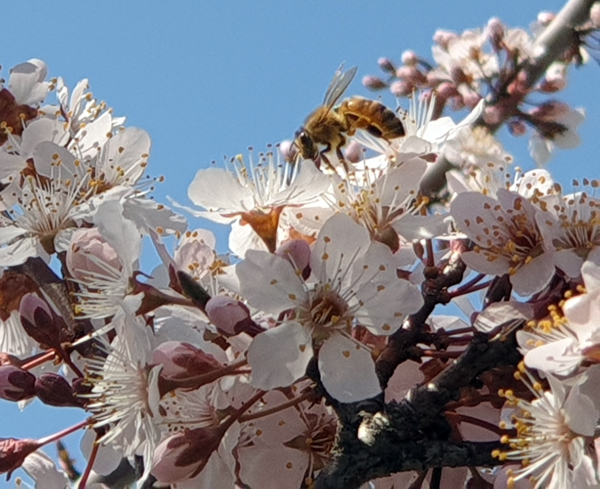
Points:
(226, 370)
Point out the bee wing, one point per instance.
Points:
(338, 85)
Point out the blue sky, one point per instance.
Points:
(208, 79)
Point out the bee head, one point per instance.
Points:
(305, 145)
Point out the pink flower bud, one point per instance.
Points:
(495, 32)
(517, 128)
(40, 322)
(16, 384)
(288, 150)
(184, 455)
(354, 152)
(544, 18)
(386, 65)
(14, 451)
(401, 88)
(471, 99)
(297, 252)
(442, 38)
(55, 390)
(88, 247)
(493, 114)
(231, 317)
(411, 74)
(409, 58)
(180, 360)
(373, 82)
(446, 90)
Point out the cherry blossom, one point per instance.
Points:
(354, 281)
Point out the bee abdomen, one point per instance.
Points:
(372, 116)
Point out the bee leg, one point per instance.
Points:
(338, 152)
(327, 162)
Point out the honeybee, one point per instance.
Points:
(327, 126)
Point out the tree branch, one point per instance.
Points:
(556, 39)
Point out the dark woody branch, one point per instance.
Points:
(414, 433)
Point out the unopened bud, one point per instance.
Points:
(297, 252)
(493, 114)
(411, 74)
(401, 88)
(544, 18)
(13, 452)
(446, 90)
(88, 254)
(442, 38)
(184, 455)
(180, 360)
(288, 150)
(40, 322)
(517, 128)
(495, 32)
(55, 390)
(373, 82)
(354, 152)
(471, 99)
(386, 65)
(16, 384)
(409, 58)
(231, 317)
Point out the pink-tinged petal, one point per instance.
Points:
(94, 135)
(129, 149)
(42, 470)
(42, 130)
(273, 430)
(559, 357)
(286, 466)
(590, 270)
(405, 377)
(309, 184)
(217, 190)
(569, 262)
(421, 227)
(279, 356)
(396, 185)
(26, 82)
(534, 276)
(474, 214)
(501, 312)
(18, 252)
(540, 149)
(10, 165)
(269, 283)
(120, 233)
(389, 304)
(148, 215)
(347, 370)
(107, 458)
(243, 238)
(339, 242)
(47, 155)
(582, 415)
(479, 262)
